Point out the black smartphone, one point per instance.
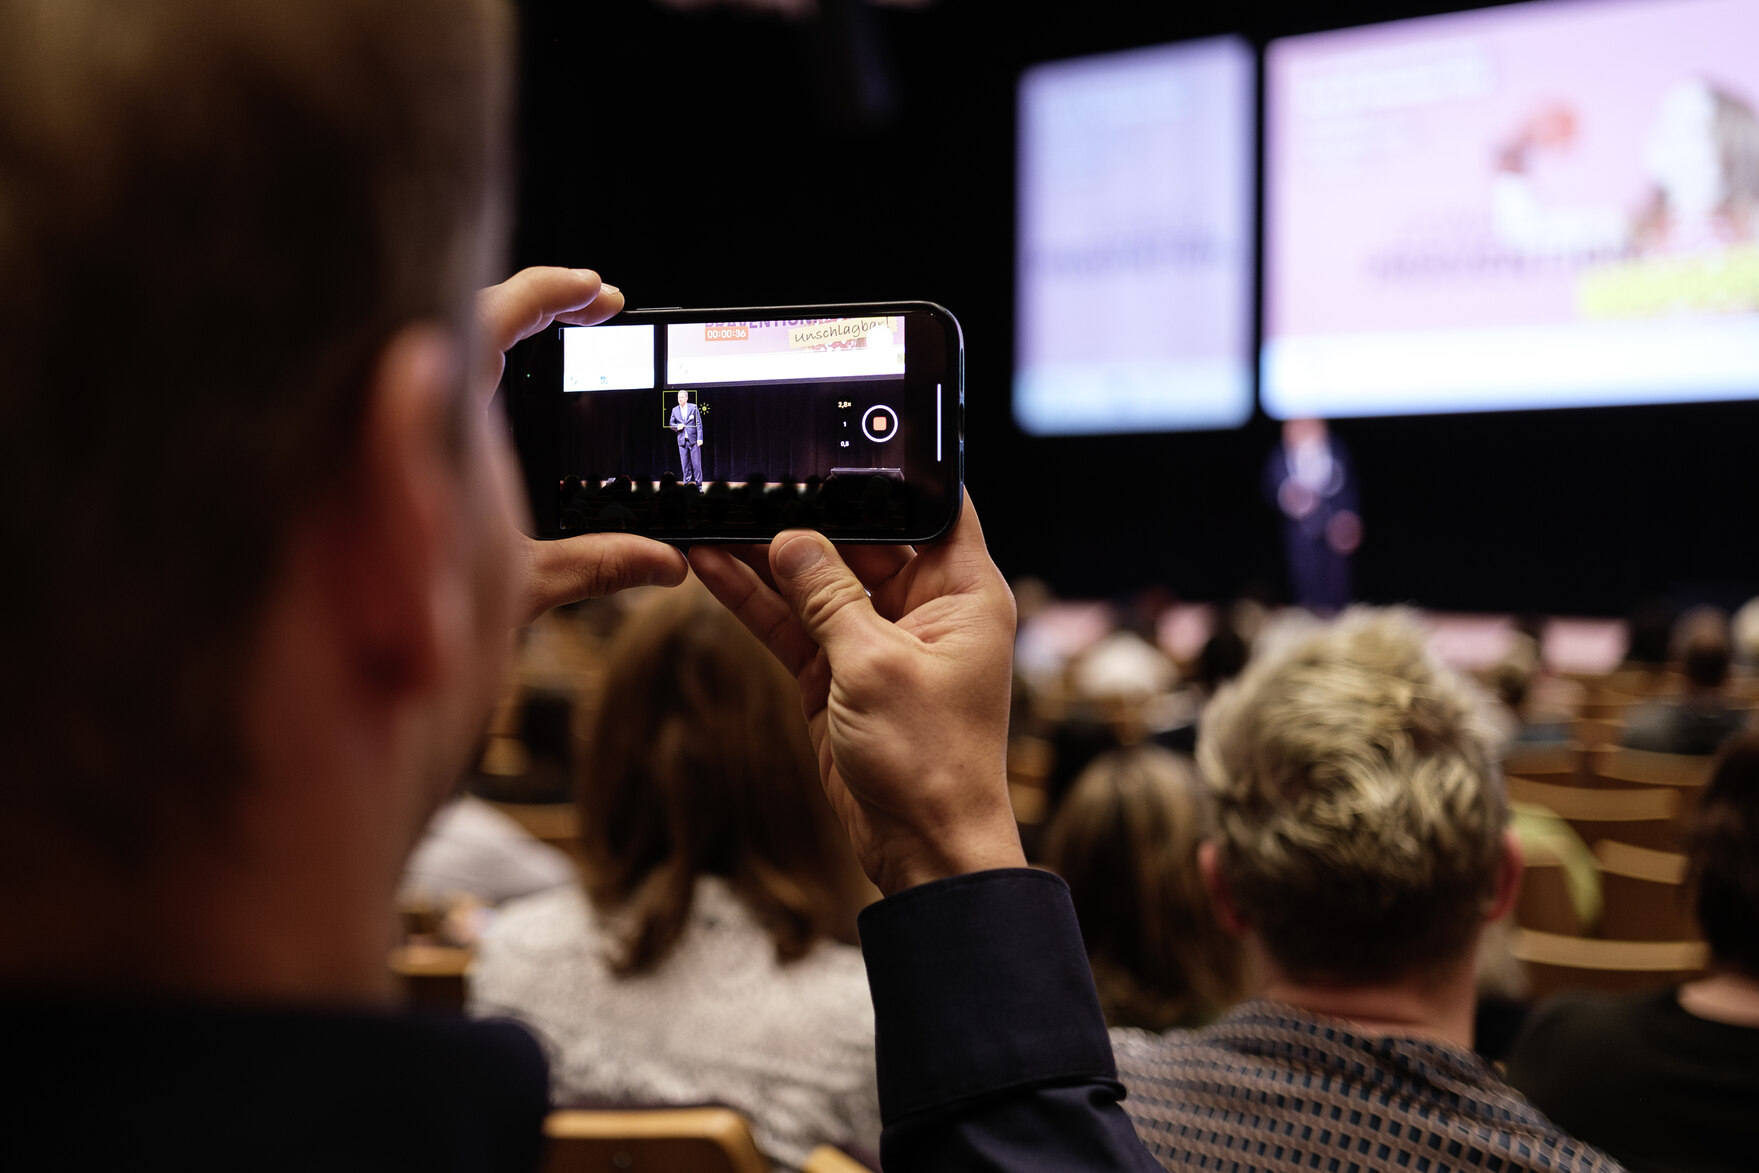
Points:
(731, 425)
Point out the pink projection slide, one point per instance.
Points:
(1541, 205)
(1133, 308)
(780, 351)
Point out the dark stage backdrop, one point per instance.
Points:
(722, 158)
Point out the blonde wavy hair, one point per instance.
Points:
(1359, 801)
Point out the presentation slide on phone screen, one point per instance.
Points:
(608, 358)
(1537, 206)
(621, 358)
(1135, 263)
(784, 351)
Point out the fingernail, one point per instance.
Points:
(798, 557)
(609, 289)
(672, 573)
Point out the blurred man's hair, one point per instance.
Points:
(1723, 847)
(213, 214)
(1360, 808)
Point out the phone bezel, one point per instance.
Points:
(533, 395)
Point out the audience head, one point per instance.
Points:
(1248, 614)
(1031, 597)
(1744, 633)
(1723, 847)
(1511, 677)
(1533, 625)
(1222, 658)
(1706, 664)
(698, 764)
(1509, 681)
(1075, 743)
(1360, 808)
(1303, 433)
(215, 217)
(1126, 840)
(1702, 648)
(1648, 630)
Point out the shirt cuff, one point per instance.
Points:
(980, 985)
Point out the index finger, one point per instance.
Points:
(533, 298)
(592, 565)
(875, 564)
(751, 597)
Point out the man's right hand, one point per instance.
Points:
(904, 660)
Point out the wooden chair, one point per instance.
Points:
(1556, 962)
(826, 1159)
(1643, 816)
(1545, 903)
(656, 1140)
(1559, 762)
(1607, 705)
(1620, 766)
(1599, 732)
(432, 977)
(1029, 766)
(1644, 894)
(556, 823)
(1643, 683)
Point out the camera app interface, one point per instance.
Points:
(752, 424)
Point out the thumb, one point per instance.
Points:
(821, 589)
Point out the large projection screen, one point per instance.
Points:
(1536, 206)
(1135, 260)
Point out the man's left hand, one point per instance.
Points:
(593, 564)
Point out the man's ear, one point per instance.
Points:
(1209, 866)
(1508, 877)
(397, 594)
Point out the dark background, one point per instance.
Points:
(722, 157)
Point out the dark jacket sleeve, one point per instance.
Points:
(992, 1051)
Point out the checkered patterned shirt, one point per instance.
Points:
(1270, 1088)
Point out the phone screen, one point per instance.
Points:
(730, 425)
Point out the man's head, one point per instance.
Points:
(1360, 830)
(220, 222)
(1723, 847)
(683, 398)
(1303, 432)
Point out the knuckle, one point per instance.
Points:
(890, 664)
(827, 599)
(579, 577)
(600, 576)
